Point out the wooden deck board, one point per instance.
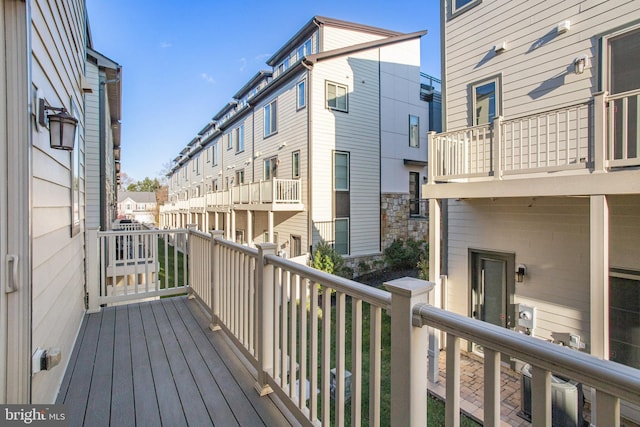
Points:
(146, 408)
(157, 363)
(122, 413)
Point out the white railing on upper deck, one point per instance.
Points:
(623, 135)
(199, 266)
(549, 141)
(463, 154)
(197, 203)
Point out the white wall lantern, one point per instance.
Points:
(62, 126)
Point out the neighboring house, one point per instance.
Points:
(42, 223)
(140, 206)
(315, 148)
(102, 155)
(538, 170)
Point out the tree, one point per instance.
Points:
(146, 184)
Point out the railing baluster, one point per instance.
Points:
(540, 397)
(292, 284)
(452, 407)
(491, 387)
(356, 362)
(625, 128)
(304, 297)
(284, 328)
(340, 357)
(607, 410)
(313, 353)
(326, 356)
(375, 356)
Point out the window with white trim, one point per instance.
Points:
(229, 137)
(301, 94)
(460, 6)
(340, 171)
(336, 95)
(486, 103)
(270, 118)
(341, 235)
(215, 154)
(239, 131)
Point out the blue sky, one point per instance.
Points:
(183, 60)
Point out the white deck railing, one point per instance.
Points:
(276, 191)
(623, 135)
(293, 323)
(549, 141)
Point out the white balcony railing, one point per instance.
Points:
(549, 141)
(275, 191)
(293, 324)
(623, 117)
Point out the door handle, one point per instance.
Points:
(12, 265)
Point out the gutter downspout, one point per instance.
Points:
(309, 68)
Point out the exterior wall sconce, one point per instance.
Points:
(580, 63)
(62, 126)
(563, 27)
(521, 271)
(284, 144)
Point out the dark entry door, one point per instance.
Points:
(493, 288)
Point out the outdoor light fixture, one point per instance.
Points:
(579, 64)
(521, 271)
(62, 126)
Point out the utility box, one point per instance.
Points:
(334, 384)
(567, 400)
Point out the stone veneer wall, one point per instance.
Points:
(396, 221)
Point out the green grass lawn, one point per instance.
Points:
(167, 267)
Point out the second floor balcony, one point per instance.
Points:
(271, 195)
(599, 137)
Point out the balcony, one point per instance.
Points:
(272, 195)
(283, 335)
(599, 137)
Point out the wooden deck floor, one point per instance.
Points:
(157, 363)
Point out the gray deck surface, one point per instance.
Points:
(157, 363)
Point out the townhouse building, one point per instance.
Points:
(51, 153)
(140, 206)
(534, 184)
(321, 146)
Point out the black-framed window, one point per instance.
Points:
(270, 118)
(486, 103)
(295, 164)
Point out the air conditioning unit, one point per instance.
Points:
(567, 400)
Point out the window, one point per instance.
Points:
(76, 175)
(341, 235)
(624, 62)
(240, 177)
(486, 101)
(208, 154)
(214, 185)
(301, 102)
(270, 168)
(239, 138)
(196, 165)
(341, 171)
(414, 193)
(296, 246)
(229, 137)
(337, 97)
(240, 236)
(295, 164)
(215, 154)
(414, 131)
(459, 6)
(270, 118)
(624, 317)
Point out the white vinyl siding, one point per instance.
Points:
(58, 58)
(537, 69)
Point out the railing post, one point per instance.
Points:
(93, 270)
(409, 349)
(215, 280)
(600, 140)
(431, 158)
(496, 137)
(265, 309)
(190, 259)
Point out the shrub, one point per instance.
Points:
(326, 259)
(363, 267)
(400, 255)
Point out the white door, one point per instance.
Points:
(15, 314)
